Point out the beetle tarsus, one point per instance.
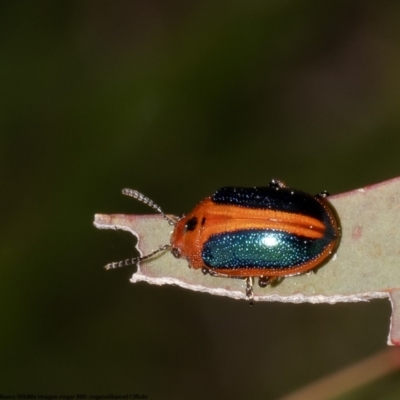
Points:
(276, 183)
(323, 194)
(249, 288)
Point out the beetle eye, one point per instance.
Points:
(175, 252)
(191, 224)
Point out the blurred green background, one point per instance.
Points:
(177, 99)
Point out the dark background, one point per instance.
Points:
(177, 99)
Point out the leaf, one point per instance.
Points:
(366, 265)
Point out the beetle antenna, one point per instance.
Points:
(135, 260)
(141, 197)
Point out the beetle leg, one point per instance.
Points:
(217, 274)
(264, 281)
(276, 183)
(249, 288)
(210, 272)
(249, 281)
(206, 271)
(323, 194)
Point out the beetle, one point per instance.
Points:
(266, 232)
